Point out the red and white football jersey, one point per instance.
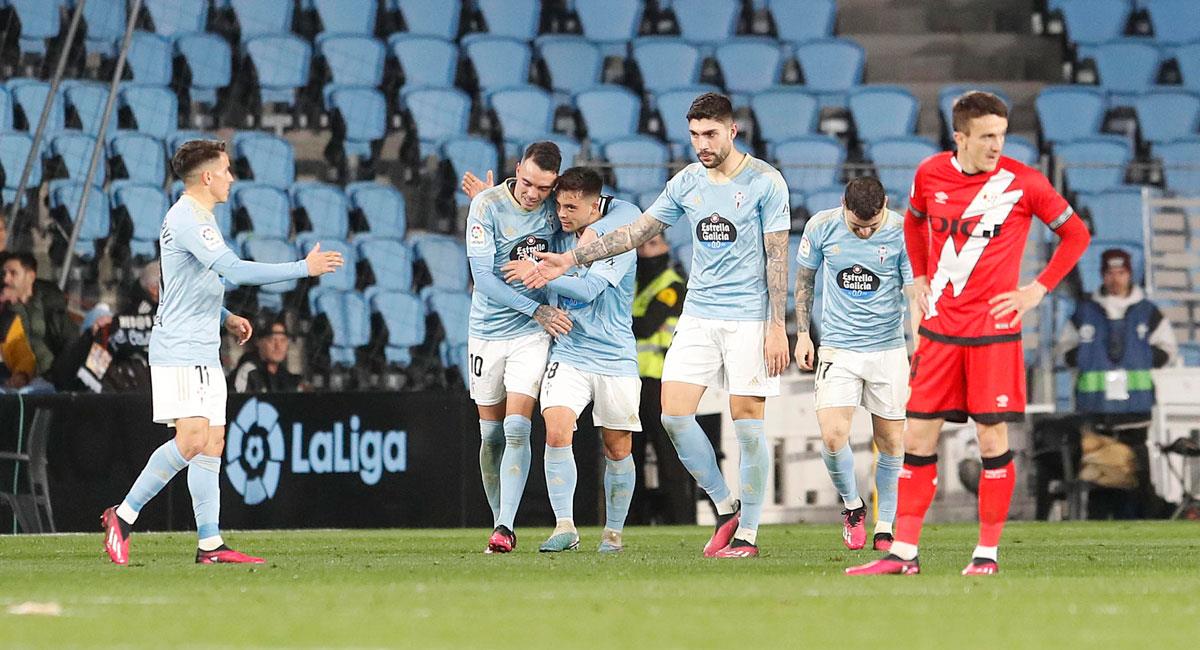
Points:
(977, 225)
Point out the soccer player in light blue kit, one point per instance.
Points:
(185, 368)
(510, 328)
(858, 249)
(731, 334)
(595, 363)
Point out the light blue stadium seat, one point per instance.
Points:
(343, 279)
(360, 119)
(267, 209)
(29, 96)
(524, 113)
(446, 259)
(1095, 164)
(498, 61)
(6, 110)
(810, 162)
(382, 207)
(281, 62)
(146, 205)
(403, 316)
(573, 62)
(150, 58)
(327, 209)
(40, 20)
(609, 112)
(1188, 58)
(610, 23)
(105, 21)
(1021, 150)
(15, 148)
(666, 62)
(1116, 214)
(469, 153)
(424, 60)
(707, 22)
(87, 100)
(140, 156)
(390, 262)
(351, 60)
(831, 67)
(1127, 68)
(639, 163)
(177, 17)
(517, 19)
(345, 17)
(349, 318)
(1181, 165)
(155, 109)
(1070, 112)
(1094, 21)
(65, 195)
(263, 17)
(265, 158)
(438, 114)
(1166, 115)
(430, 18)
(824, 199)
(883, 112)
(73, 151)
(749, 64)
(803, 20)
(896, 161)
(1174, 21)
(209, 61)
(453, 310)
(271, 251)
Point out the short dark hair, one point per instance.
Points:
(265, 322)
(711, 106)
(194, 153)
(545, 155)
(973, 104)
(25, 258)
(865, 196)
(580, 179)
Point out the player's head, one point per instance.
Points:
(656, 246)
(536, 173)
(865, 204)
(980, 121)
(711, 126)
(578, 197)
(203, 166)
(271, 338)
(20, 270)
(1117, 268)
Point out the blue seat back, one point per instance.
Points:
(438, 113)
(1070, 112)
(573, 62)
(524, 112)
(266, 207)
(1095, 164)
(425, 60)
(327, 209)
(639, 163)
(269, 158)
(750, 64)
(175, 17)
(803, 20)
(604, 21)
(1167, 115)
(810, 162)
(150, 58)
(390, 262)
(155, 109)
(514, 18)
(258, 17)
(896, 161)
(431, 18)
(609, 112)
(883, 112)
(498, 61)
(382, 206)
(666, 62)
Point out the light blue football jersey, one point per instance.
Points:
(864, 304)
(601, 337)
(500, 229)
(728, 219)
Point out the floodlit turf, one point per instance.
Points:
(1086, 585)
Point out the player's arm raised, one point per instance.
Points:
(623, 239)
(806, 284)
(775, 347)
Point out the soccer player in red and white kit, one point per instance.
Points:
(965, 231)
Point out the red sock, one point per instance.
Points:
(917, 485)
(995, 495)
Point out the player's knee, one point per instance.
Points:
(835, 439)
(190, 446)
(618, 447)
(556, 437)
(676, 424)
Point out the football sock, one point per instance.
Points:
(840, 465)
(491, 449)
(915, 490)
(164, 464)
(697, 455)
(204, 482)
(887, 472)
(560, 481)
(995, 494)
(619, 480)
(748, 535)
(755, 463)
(514, 468)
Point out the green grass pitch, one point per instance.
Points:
(1077, 585)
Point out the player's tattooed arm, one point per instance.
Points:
(555, 321)
(806, 284)
(625, 238)
(776, 244)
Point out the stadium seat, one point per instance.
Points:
(327, 210)
(264, 158)
(666, 62)
(951, 92)
(351, 60)
(797, 21)
(209, 61)
(609, 111)
(708, 22)
(1094, 21)
(896, 161)
(883, 112)
(446, 260)
(1116, 214)
(1021, 150)
(1167, 115)
(1181, 165)
(498, 61)
(1174, 21)
(262, 17)
(784, 113)
(517, 19)
(6, 110)
(437, 114)
(15, 149)
(1127, 68)
(524, 112)
(1188, 58)
(425, 60)
(343, 279)
(1189, 353)
(383, 209)
(40, 20)
(749, 64)
(349, 318)
(572, 62)
(831, 67)
(265, 207)
(344, 17)
(1094, 164)
(271, 251)
(73, 152)
(173, 18)
(29, 96)
(403, 315)
(390, 262)
(281, 62)
(87, 100)
(469, 153)
(610, 23)
(105, 21)
(155, 109)
(1089, 263)
(426, 18)
(65, 197)
(810, 162)
(453, 309)
(150, 58)
(1069, 112)
(627, 155)
(825, 199)
(145, 205)
(138, 157)
(360, 119)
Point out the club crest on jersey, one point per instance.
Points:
(525, 248)
(738, 197)
(857, 281)
(716, 232)
(883, 253)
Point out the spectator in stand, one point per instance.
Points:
(265, 369)
(39, 308)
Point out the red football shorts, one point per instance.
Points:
(953, 382)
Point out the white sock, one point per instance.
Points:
(746, 535)
(855, 504)
(211, 543)
(725, 506)
(986, 552)
(564, 525)
(883, 527)
(127, 514)
(904, 551)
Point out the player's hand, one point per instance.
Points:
(775, 350)
(321, 263)
(552, 319)
(1018, 302)
(550, 266)
(922, 292)
(804, 351)
(516, 270)
(239, 327)
(471, 185)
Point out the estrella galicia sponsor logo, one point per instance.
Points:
(525, 248)
(256, 452)
(716, 232)
(858, 281)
